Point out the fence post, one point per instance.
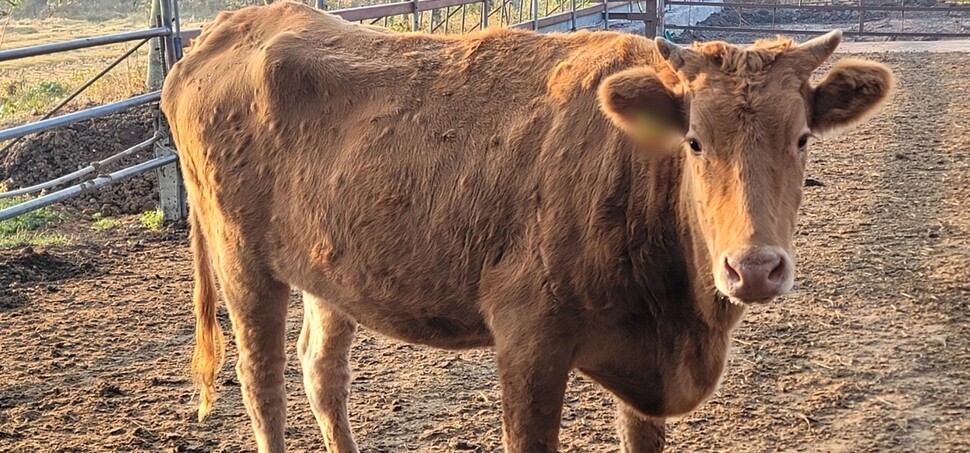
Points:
(606, 14)
(535, 15)
(417, 15)
(156, 72)
(572, 15)
(650, 22)
(484, 15)
(170, 187)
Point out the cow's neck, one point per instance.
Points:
(664, 353)
(668, 195)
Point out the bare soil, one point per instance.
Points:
(871, 352)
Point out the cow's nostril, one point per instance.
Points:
(778, 273)
(732, 274)
(755, 273)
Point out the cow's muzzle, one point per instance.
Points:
(754, 274)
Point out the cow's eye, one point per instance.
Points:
(803, 141)
(695, 146)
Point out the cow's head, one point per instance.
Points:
(745, 119)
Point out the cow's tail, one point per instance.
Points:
(209, 341)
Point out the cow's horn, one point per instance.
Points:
(816, 50)
(675, 55)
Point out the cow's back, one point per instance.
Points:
(389, 173)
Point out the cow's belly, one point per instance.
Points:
(442, 331)
(438, 319)
(400, 253)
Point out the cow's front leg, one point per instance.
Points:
(639, 433)
(533, 381)
(534, 354)
(324, 350)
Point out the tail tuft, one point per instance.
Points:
(209, 341)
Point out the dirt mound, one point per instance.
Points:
(44, 267)
(731, 17)
(54, 153)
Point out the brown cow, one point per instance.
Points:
(590, 201)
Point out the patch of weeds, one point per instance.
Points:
(31, 228)
(34, 100)
(39, 218)
(102, 223)
(152, 220)
(33, 238)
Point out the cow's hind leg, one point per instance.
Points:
(324, 350)
(257, 306)
(639, 433)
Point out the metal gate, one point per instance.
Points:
(164, 36)
(863, 20)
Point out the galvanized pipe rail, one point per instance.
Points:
(900, 34)
(81, 43)
(831, 7)
(92, 168)
(372, 12)
(81, 115)
(86, 186)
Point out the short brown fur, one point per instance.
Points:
(495, 189)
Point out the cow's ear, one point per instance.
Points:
(849, 93)
(639, 102)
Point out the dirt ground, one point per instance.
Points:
(871, 352)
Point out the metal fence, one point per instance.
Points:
(166, 31)
(437, 16)
(859, 19)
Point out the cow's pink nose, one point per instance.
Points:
(757, 273)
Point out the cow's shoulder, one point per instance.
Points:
(592, 56)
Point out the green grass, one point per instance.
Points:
(102, 223)
(152, 220)
(34, 238)
(32, 100)
(36, 219)
(32, 228)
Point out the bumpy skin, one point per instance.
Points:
(453, 191)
